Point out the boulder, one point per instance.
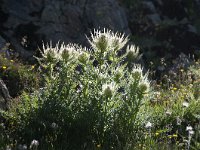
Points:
(57, 20)
(4, 96)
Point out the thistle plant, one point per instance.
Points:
(90, 91)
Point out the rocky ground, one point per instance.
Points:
(25, 24)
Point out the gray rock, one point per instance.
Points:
(4, 96)
(192, 29)
(154, 18)
(149, 6)
(58, 20)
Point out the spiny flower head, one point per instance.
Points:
(144, 84)
(107, 40)
(68, 51)
(132, 52)
(50, 53)
(62, 52)
(137, 71)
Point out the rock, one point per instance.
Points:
(154, 18)
(149, 7)
(192, 29)
(57, 20)
(4, 96)
(106, 14)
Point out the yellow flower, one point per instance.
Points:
(4, 67)
(169, 136)
(175, 135)
(157, 133)
(174, 89)
(11, 60)
(32, 67)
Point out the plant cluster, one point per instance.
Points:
(91, 96)
(17, 76)
(99, 98)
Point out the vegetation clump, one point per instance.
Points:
(99, 98)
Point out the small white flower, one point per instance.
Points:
(168, 112)
(185, 104)
(189, 128)
(178, 121)
(148, 125)
(191, 132)
(34, 144)
(54, 125)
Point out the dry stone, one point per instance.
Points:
(4, 96)
(57, 20)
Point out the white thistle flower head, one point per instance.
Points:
(137, 71)
(132, 52)
(34, 144)
(107, 40)
(68, 51)
(84, 54)
(144, 84)
(108, 89)
(185, 104)
(50, 53)
(148, 125)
